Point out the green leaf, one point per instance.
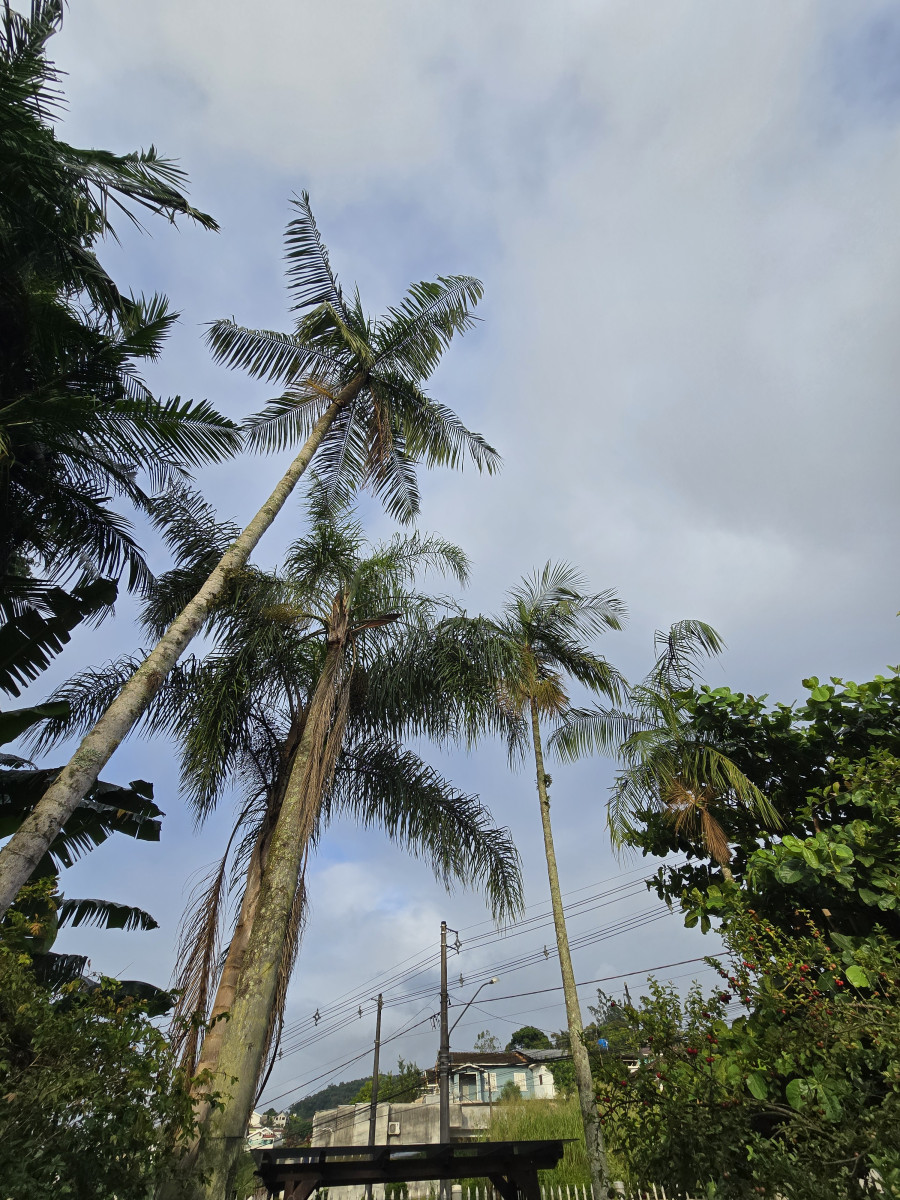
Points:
(756, 1083)
(796, 1093)
(858, 977)
(17, 720)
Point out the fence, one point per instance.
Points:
(565, 1192)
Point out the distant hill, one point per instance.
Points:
(329, 1097)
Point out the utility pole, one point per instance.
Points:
(444, 1057)
(373, 1107)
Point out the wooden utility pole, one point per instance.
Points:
(373, 1107)
(444, 1057)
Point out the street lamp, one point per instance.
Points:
(486, 983)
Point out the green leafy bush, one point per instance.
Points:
(90, 1099)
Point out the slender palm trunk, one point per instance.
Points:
(29, 843)
(593, 1134)
(243, 1042)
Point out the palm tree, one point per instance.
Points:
(548, 622)
(668, 764)
(398, 665)
(352, 388)
(353, 607)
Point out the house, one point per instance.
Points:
(477, 1080)
(480, 1077)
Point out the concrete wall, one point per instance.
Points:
(419, 1122)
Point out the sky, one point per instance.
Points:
(684, 216)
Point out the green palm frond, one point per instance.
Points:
(585, 731)
(379, 783)
(681, 650)
(106, 914)
(413, 337)
(269, 355)
(310, 277)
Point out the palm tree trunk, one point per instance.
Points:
(593, 1134)
(29, 843)
(243, 1044)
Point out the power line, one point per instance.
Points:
(427, 958)
(494, 999)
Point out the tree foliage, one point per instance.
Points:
(798, 1094)
(529, 1037)
(78, 426)
(402, 1086)
(91, 1098)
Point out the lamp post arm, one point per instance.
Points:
(486, 983)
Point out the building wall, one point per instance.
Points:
(419, 1122)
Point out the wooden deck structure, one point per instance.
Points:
(512, 1167)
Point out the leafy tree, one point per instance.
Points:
(829, 768)
(529, 1037)
(92, 1100)
(297, 1131)
(510, 1092)
(353, 391)
(799, 1095)
(407, 1084)
(546, 624)
(487, 1043)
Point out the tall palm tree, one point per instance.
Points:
(548, 623)
(353, 606)
(668, 764)
(352, 388)
(243, 715)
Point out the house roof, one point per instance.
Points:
(552, 1055)
(502, 1058)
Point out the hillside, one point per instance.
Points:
(328, 1097)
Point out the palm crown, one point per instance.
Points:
(548, 622)
(667, 763)
(374, 368)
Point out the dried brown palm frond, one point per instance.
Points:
(196, 961)
(688, 810)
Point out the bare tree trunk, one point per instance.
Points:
(244, 1036)
(29, 843)
(593, 1134)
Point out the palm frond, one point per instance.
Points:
(415, 334)
(104, 913)
(378, 782)
(310, 278)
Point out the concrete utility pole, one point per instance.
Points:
(373, 1107)
(444, 1057)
